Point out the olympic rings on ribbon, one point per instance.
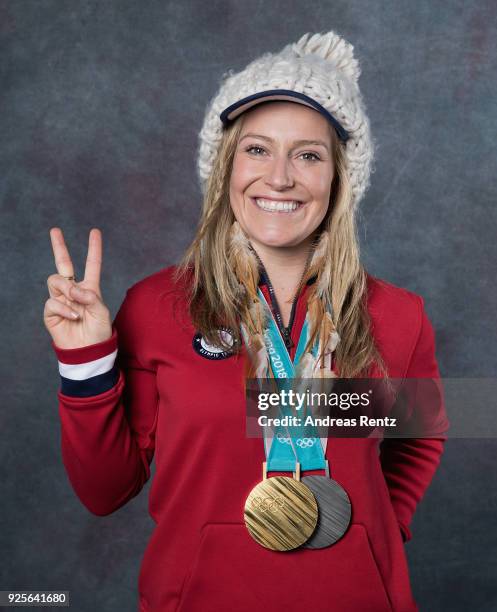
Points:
(301, 442)
(305, 442)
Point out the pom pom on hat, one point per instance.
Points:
(331, 48)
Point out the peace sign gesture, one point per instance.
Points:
(75, 315)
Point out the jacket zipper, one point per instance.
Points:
(285, 331)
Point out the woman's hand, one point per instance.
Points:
(93, 323)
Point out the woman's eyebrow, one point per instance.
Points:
(296, 143)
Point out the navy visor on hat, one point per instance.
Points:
(232, 111)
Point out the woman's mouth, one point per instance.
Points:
(277, 206)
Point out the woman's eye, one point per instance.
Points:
(251, 148)
(315, 156)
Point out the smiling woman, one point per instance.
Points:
(272, 286)
(280, 201)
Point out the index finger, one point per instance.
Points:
(94, 258)
(63, 261)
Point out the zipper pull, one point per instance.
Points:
(288, 340)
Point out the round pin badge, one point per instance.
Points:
(212, 351)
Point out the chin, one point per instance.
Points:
(278, 241)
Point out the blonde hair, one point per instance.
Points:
(222, 290)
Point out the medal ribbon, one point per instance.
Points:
(308, 449)
(281, 455)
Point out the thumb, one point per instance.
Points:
(84, 296)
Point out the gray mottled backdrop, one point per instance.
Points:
(100, 107)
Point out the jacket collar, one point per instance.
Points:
(264, 279)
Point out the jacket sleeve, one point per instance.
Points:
(410, 464)
(108, 405)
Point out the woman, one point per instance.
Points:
(284, 159)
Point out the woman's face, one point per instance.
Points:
(282, 173)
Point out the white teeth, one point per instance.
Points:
(272, 205)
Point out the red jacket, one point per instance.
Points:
(163, 399)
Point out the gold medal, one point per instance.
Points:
(280, 512)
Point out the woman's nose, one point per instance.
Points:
(279, 173)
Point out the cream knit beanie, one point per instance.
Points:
(321, 71)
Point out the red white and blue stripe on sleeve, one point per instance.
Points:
(89, 370)
(91, 378)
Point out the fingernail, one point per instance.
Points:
(74, 314)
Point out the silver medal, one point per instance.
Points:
(334, 510)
